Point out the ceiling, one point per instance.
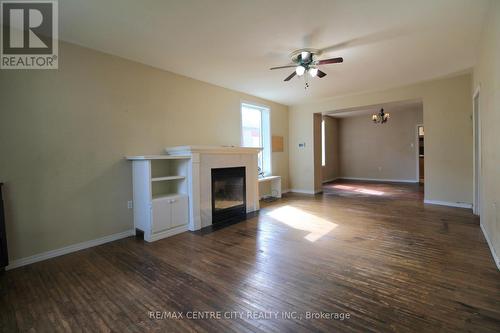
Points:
(391, 108)
(232, 43)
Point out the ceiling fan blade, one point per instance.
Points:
(286, 66)
(321, 74)
(330, 61)
(289, 77)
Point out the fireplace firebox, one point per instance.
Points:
(228, 195)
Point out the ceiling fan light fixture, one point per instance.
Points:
(313, 71)
(300, 70)
(306, 60)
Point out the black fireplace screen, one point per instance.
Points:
(228, 194)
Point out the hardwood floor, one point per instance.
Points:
(374, 251)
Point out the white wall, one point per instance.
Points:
(487, 77)
(448, 131)
(64, 134)
(380, 151)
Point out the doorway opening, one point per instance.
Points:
(353, 154)
(420, 154)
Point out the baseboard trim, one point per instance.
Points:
(168, 233)
(381, 180)
(69, 249)
(295, 190)
(496, 259)
(450, 204)
(330, 180)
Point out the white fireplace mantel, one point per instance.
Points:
(203, 160)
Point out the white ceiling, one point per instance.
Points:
(232, 43)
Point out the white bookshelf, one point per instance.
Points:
(161, 200)
(158, 157)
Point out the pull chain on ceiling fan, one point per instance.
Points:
(304, 60)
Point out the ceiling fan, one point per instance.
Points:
(305, 60)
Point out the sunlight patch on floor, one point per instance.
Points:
(301, 220)
(358, 189)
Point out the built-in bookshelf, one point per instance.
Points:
(160, 186)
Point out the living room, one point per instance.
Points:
(250, 166)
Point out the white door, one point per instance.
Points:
(179, 211)
(162, 216)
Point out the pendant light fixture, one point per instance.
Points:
(381, 117)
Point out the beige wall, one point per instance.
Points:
(301, 131)
(330, 170)
(64, 133)
(487, 77)
(384, 152)
(448, 131)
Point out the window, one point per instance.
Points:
(256, 132)
(323, 148)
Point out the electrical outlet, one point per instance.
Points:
(130, 204)
(379, 168)
(302, 145)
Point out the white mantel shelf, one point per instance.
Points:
(201, 149)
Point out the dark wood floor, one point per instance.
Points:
(371, 250)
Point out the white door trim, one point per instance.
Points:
(476, 127)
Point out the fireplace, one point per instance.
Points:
(228, 195)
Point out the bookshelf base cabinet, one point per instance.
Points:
(160, 190)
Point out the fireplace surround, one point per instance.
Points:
(203, 160)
